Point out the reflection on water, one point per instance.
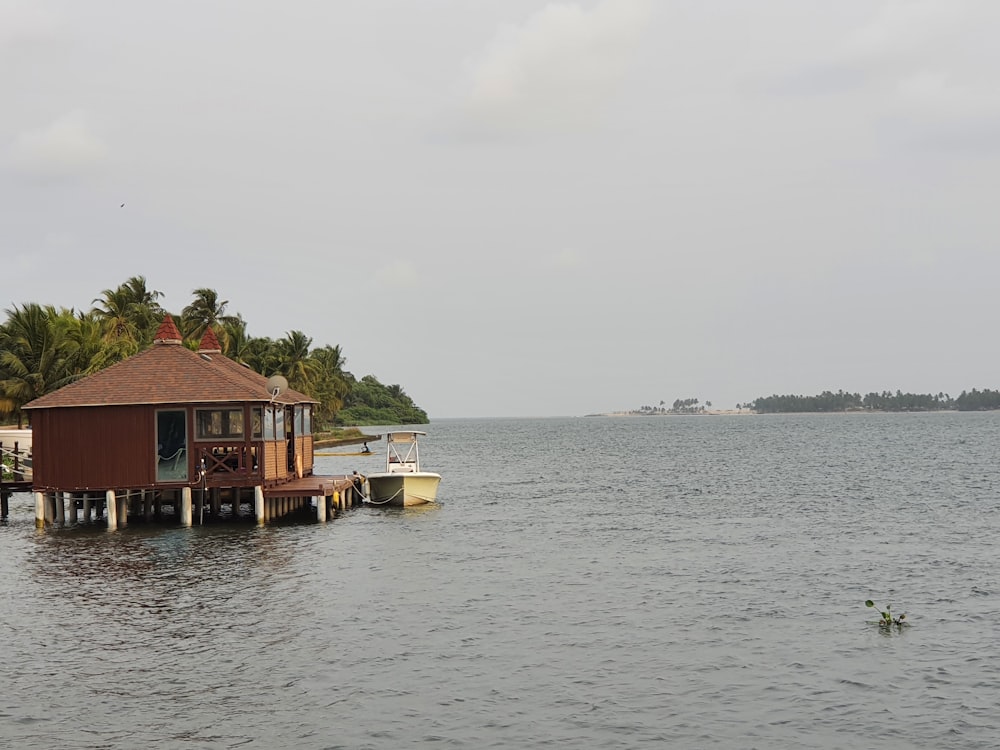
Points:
(678, 583)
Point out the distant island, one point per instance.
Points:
(828, 401)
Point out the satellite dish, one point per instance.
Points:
(276, 385)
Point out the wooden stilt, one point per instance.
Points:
(4, 505)
(59, 501)
(186, 506)
(320, 509)
(258, 504)
(39, 510)
(50, 508)
(216, 502)
(88, 508)
(121, 507)
(71, 500)
(147, 505)
(111, 504)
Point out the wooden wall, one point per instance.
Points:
(90, 447)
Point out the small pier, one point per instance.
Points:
(15, 475)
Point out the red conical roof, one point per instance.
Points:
(167, 333)
(209, 342)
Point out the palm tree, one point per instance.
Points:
(147, 311)
(236, 343)
(262, 355)
(331, 384)
(35, 355)
(296, 364)
(129, 316)
(206, 310)
(87, 352)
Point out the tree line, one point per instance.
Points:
(827, 401)
(43, 348)
(680, 406)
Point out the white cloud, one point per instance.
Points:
(565, 259)
(896, 37)
(66, 147)
(935, 94)
(901, 27)
(558, 70)
(398, 274)
(941, 111)
(25, 20)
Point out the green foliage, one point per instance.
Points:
(680, 406)
(43, 348)
(827, 401)
(887, 620)
(975, 400)
(38, 354)
(205, 311)
(369, 402)
(127, 318)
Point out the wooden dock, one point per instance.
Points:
(15, 476)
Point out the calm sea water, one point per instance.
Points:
(584, 583)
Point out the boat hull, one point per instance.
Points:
(399, 489)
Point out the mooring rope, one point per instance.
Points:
(387, 500)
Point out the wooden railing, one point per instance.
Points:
(19, 466)
(227, 459)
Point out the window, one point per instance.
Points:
(257, 423)
(269, 423)
(218, 424)
(171, 446)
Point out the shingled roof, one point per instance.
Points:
(168, 373)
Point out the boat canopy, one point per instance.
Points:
(404, 437)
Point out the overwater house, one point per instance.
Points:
(170, 426)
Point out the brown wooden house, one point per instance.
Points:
(167, 419)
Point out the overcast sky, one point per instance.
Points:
(527, 208)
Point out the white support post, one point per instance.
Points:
(320, 508)
(122, 507)
(71, 499)
(88, 508)
(110, 505)
(258, 504)
(186, 506)
(59, 499)
(39, 510)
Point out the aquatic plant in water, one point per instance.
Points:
(887, 620)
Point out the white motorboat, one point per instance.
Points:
(403, 483)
